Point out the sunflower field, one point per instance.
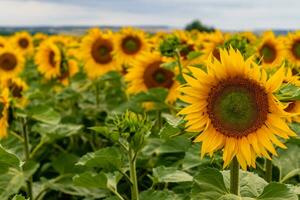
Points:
(133, 115)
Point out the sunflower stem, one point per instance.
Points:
(97, 93)
(159, 120)
(177, 55)
(234, 176)
(27, 156)
(133, 177)
(269, 167)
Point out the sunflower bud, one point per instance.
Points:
(169, 45)
(133, 128)
(239, 43)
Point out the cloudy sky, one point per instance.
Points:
(223, 14)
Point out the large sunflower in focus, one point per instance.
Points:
(270, 50)
(293, 48)
(233, 106)
(11, 62)
(146, 73)
(4, 105)
(97, 48)
(23, 42)
(130, 44)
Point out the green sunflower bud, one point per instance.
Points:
(169, 45)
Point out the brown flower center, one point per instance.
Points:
(187, 48)
(296, 49)
(131, 45)
(155, 76)
(8, 61)
(15, 89)
(268, 52)
(23, 42)
(52, 59)
(101, 51)
(237, 106)
(290, 107)
(216, 53)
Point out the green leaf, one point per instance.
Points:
(175, 145)
(8, 160)
(108, 158)
(288, 92)
(295, 126)
(158, 195)
(168, 131)
(288, 162)
(251, 185)
(169, 65)
(91, 180)
(66, 185)
(157, 95)
(277, 191)
(193, 54)
(11, 182)
(208, 184)
(13, 144)
(192, 158)
(19, 197)
(46, 115)
(164, 174)
(29, 168)
(106, 132)
(54, 132)
(65, 163)
(172, 120)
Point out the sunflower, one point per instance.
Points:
(293, 48)
(3, 41)
(211, 44)
(147, 73)
(70, 70)
(270, 50)
(97, 48)
(4, 105)
(48, 59)
(23, 42)
(38, 38)
(156, 39)
(233, 105)
(249, 36)
(56, 62)
(130, 44)
(292, 107)
(188, 46)
(16, 87)
(11, 62)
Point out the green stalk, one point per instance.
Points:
(234, 176)
(133, 177)
(269, 167)
(97, 93)
(27, 156)
(177, 55)
(159, 120)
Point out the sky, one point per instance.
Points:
(221, 14)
